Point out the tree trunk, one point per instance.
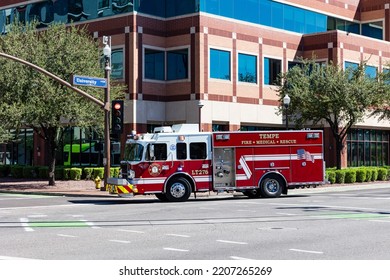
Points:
(339, 149)
(52, 143)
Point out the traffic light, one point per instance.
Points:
(117, 116)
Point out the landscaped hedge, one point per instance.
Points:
(61, 172)
(357, 174)
(333, 176)
(340, 176)
(350, 176)
(75, 173)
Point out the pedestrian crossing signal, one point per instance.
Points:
(117, 116)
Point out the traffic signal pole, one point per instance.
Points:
(107, 141)
(107, 101)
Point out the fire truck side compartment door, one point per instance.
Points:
(224, 168)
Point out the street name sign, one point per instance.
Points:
(88, 81)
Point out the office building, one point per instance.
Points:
(215, 62)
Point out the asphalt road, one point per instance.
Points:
(305, 225)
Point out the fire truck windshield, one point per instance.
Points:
(133, 152)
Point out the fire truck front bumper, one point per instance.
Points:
(121, 187)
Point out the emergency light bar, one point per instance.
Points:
(313, 136)
(222, 136)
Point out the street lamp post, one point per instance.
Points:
(200, 106)
(286, 103)
(107, 144)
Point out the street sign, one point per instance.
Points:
(88, 81)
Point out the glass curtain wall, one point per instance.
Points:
(264, 12)
(368, 147)
(20, 149)
(84, 147)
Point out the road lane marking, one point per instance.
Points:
(25, 224)
(380, 221)
(14, 258)
(120, 241)
(58, 224)
(37, 216)
(44, 206)
(176, 250)
(232, 242)
(306, 251)
(178, 235)
(90, 224)
(240, 258)
(286, 214)
(67, 235)
(131, 231)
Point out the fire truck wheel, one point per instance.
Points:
(161, 197)
(178, 190)
(271, 186)
(252, 193)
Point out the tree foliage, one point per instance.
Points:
(325, 93)
(29, 99)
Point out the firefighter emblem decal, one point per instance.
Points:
(154, 169)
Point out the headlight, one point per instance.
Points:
(131, 174)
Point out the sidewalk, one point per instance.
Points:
(62, 188)
(87, 188)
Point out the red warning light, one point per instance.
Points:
(117, 106)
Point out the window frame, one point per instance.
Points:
(256, 82)
(221, 49)
(165, 51)
(264, 73)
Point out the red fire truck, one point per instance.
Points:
(174, 162)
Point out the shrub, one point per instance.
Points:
(87, 173)
(75, 173)
(340, 176)
(17, 171)
(30, 172)
(43, 172)
(59, 172)
(368, 174)
(350, 176)
(361, 175)
(115, 171)
(374, 175)
(98, 172)
(5, 170)
(388, 171)
(382, 174)
(67, 173)
(331, 176)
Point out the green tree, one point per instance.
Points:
(382, 108)
(29, 99)
(326, 93)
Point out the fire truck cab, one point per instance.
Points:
(174, 162)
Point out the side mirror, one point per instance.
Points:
(151, 152)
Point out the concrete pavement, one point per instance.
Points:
(88, 188)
